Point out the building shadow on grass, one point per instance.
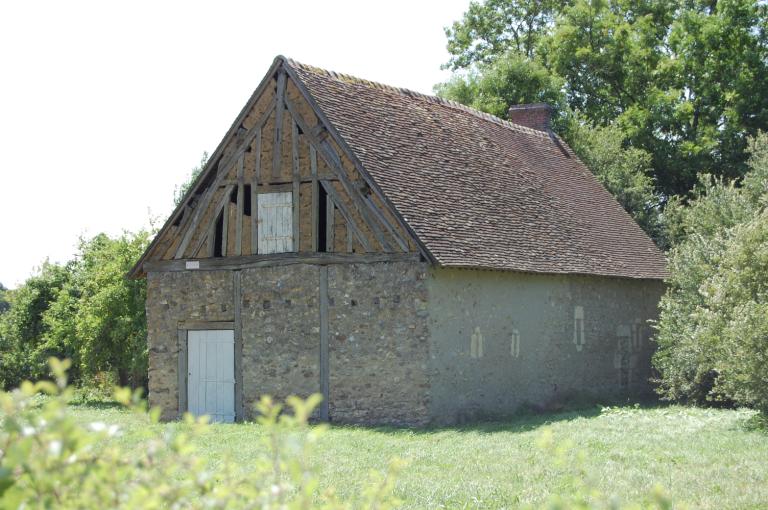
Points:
(527, 419)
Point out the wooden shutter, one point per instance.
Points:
(275, 216)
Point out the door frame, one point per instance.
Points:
(183, 357)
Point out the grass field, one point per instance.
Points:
(703, 458)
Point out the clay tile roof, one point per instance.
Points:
(478, 191)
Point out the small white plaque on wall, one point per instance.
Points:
(193, 264)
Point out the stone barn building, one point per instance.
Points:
(412, 259)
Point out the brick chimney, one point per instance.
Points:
(534, 116)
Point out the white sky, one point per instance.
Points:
(105, 107)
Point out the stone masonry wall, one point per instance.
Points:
(173, 297)
(378, 336)
(379, 343)
(281, 333)
(503, 340)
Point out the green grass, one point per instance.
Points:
(704, 458)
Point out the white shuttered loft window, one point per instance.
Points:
(275, 216)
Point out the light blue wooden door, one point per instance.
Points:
(211, 374)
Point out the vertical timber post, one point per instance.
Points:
(182, 372)
(313, 170)
(277, 149)
(295, 188)
(240, 206)
(324, 362)
(238, 300)
(255, 197)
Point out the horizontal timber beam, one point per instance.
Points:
(206, 325)
(282, 259)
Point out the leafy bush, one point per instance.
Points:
(86, 311)
(711, 336)
(47, 460)
(25, 342)
(734, 317)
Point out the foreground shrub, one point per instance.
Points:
(47, 460)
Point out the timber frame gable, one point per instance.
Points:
(282, 187)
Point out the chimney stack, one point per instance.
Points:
(534, 116)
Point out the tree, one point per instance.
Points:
(510, 80)
(85, 311)
(494, 27)
(106, 314)
(25, 350)
(677, 77)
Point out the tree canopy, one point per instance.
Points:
(678, 78)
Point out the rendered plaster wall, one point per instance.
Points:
(503, 340)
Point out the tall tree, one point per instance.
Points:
(678, 77)
(511, 79)
(494, 27)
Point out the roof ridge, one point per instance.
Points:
(348, 78)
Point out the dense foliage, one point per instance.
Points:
(713, 329)
(677, 77)
(86, 311)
